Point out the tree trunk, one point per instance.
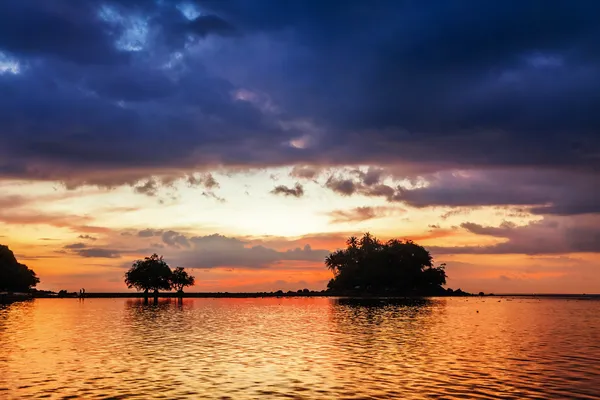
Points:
(156, 295)
(146, 296)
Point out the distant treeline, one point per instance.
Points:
(290, 293)
(367, 267)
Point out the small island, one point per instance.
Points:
(369, 267)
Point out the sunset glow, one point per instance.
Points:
(247, 145)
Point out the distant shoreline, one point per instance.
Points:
(309, 294)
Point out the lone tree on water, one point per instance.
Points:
(180, 279)
(394, 267)
(15, 277)
(151, 273)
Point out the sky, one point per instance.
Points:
(245, 140)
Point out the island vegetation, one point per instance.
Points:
(366, 267)
(395, 268)
(14, 276)
(154, 274)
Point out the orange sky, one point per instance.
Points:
(245, 238)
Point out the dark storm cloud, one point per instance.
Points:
(372, 176)
(77, 112)
(356, 181)
(84, 31)
(112, 92)
(461, 82)
(68, 30)
(207, 24)
(551, 192)
(348, 186)
(149, 188)
(344, 187)
(551, 235)
(206, 180)
(296, 191)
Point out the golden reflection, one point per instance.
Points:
(311, 348)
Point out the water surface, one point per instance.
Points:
(300, 348)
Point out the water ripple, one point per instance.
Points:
(305, 348)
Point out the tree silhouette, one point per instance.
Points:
(151, 273)
(180, 279)
(399, 267)
(15, 277)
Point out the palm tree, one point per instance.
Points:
(352, 242)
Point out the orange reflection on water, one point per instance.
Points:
(311, 348)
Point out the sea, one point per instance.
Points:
(301, 348)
